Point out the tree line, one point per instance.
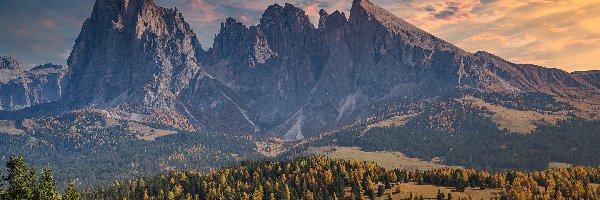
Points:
(23, 182)
(322, 178)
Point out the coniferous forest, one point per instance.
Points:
(306, 178)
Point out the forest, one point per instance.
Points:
(322, 178)
(461, 136)
(97, 156)
(304, 178)
(24, 182)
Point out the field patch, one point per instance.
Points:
(147, 133)
(395, 121)
(516, 121)
(430, 192)
(9, 127)
(386, 159)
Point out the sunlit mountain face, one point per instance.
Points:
(557, 34)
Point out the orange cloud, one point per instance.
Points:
(584, 41)
(507, 41)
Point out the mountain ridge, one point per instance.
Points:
(266, 79)
(20, 88)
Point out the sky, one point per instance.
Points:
(561, 34)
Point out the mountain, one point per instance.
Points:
(20, 88)
(283, 77)
(139, 85)
(592, 77)
(338, 73)
(141, 59)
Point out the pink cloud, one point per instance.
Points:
(245, 19)
(312, 10)
(48, 23)
(202, 12)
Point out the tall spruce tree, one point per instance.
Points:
(46, 187)
(71, 193)
(20, 178)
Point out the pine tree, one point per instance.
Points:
(440, 195)
(145, 196)
(1, 185)
(46, 187)
(370, 193)
(21, 179)
(380, 190)
(258, 193)
(70, 193)
(171, 195)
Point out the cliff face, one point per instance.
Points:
(302, 80)
(132, 51)
(282, 77)
(138, 57)
(20, 89)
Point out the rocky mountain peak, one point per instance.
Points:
(132, 47)
(329, 22)
(20, 89)
(10, 63)
(366, 15)
(285, 26)
(48, 66)
(289, 15)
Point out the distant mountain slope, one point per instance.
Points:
(20, 88)
(592, 77)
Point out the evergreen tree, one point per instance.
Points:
(287, 194)
(380, 190)
(21, 179)
(71, 193)
(440, 195)
(370, 193)
(46, 187)
(1, 185)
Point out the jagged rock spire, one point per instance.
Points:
(10, 63)
(132, 47)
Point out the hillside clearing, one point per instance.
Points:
(9, 127)
(430, 192)
(386, 159)
(147, 133)
(516, 121)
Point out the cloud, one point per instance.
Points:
(48, 23)
(507, 41)
(312, 10)
(584, 41)
(202, 12)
